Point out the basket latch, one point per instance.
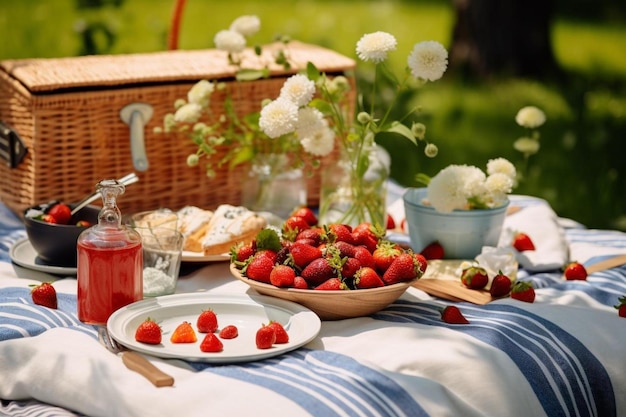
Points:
(12, 148)
(136, 116)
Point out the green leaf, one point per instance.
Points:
(402, 130)
(247, 74)
(268, 239)
(422, 178)
(312, 72)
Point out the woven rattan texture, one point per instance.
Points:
(75, 136)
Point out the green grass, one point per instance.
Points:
(580, 168)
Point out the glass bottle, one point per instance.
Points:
(110, 261)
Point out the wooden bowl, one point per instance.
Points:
(332, 305)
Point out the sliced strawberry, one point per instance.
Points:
(184, 333)
(522, 242)
(211, 343)
(148, 332)
(207, 321)
(452, 315)
(575, 271)
(282, 336)
(229, 332)
(44, 294)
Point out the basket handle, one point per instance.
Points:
(177, 15)
(12, 148)
(137, 115)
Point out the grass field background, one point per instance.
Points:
(580, 170)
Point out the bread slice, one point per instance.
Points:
(230, 225)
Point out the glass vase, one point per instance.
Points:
(350, 197)
(274, 186)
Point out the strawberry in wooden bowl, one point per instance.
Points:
(334, 270)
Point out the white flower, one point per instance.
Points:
(298, 89)
(453, 185)
(428, 60)
(247, 25)
(498, 185)
(526, 145)
(503, 166)
(189, 113)
(278, 118)
(530, 117)
(319, 142)
(229, 41)
(309, 120)
(374, 46)
(201, 92)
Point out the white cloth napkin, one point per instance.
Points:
(541, 224)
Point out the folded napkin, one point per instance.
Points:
(541, 224)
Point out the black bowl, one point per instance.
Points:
(55, 244)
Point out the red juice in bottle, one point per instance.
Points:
(109, 262)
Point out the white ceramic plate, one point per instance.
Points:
(23, 254)
(247, 312)
(189, 256)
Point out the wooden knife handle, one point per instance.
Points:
(143, 366)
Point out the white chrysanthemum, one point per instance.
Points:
(201, 92)
(319, 142)
(498, 184)
(298, 89)
(310, 120)
(526, 145)
(189, 113)
(374, 46)
(530, 117)
(229, 41)
(278, 118)
(453, 185)
(247, 25)
(503, 166)
(428, 60)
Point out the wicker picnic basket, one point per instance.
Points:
(61, 131)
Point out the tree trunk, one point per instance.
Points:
(503, 37)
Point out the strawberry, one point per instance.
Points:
(384, 255)
(61, 213)
(452, 315)
(340, 233)
(265, 337)
(83, 223)
(307, 214)
(433, 250)
(303, 254)
(184, 333)
(391, 223)
(281, 334)
(229, 332)
(44, 294)
(47, 218)
(318, 271)
(149, 332)
(207, 322)
(260, 266)
(331, 284)
(363, 255)
(282, 276)
(241, 252)
(402, 269)
(211, 343)
(523, 291)
(522, 242)
(314, 234)
(293, 225)
(300, 283)
(621, 307)
(500, 285)
(345, 249)
(423, 263)
(349, 268)
(575, 271)
(367, 277)
(474, 277)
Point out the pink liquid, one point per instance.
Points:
(108, 279)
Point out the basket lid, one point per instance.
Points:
(50, 74)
